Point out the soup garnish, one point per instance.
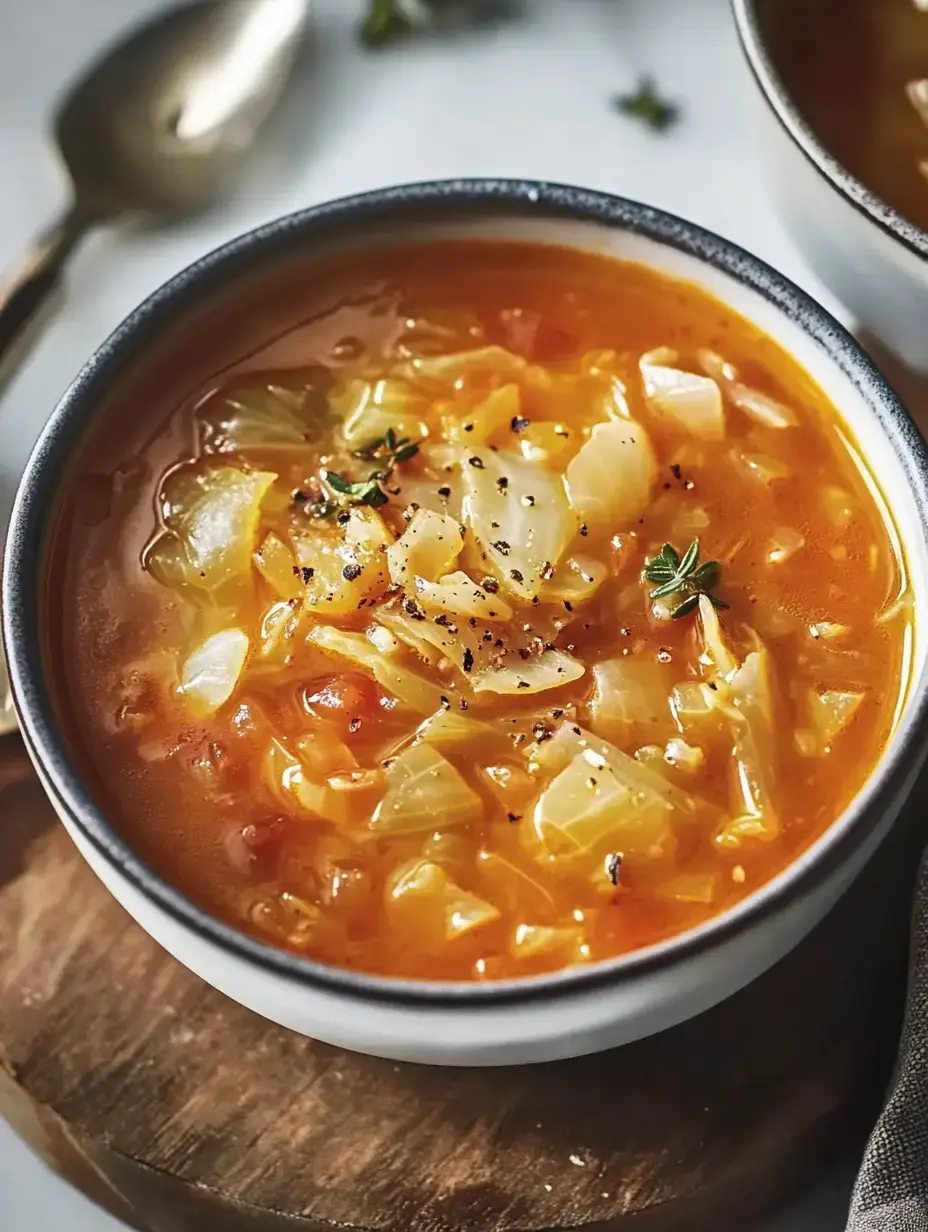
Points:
(497, 608)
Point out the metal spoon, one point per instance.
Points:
(157, 128)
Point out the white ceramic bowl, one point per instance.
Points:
(864, 251)
(545, 1017)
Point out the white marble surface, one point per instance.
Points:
(526, 100)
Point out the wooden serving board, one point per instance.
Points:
(181, 1112)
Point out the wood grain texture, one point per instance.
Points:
(182, 1112)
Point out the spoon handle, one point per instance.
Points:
(29, 297)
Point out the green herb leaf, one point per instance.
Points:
(647, 105)
(338, 483)
(683, 576)
(383, 23)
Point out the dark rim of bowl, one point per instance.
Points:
(454, 199)
(784, 108)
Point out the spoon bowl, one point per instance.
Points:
(162, 124)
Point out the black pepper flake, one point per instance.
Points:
(444, 493)
(475, 462)
(547, 572)
(499, 643)
(515, 575)
(557, 712)
(541, 732)
(411, 608)
(473, 621)
(614, 866)
(518, 737)
(577, 731)
(307, 572)
(488, 636)
(343, 518)
(502, 547)
(677, 471)
(296, 571)
(528, 500)
(524, 654)
(462, 704)
(519, 424)
(514, 816)
(502, 483)
(442, 619)
(351, 572)
(300, 496)
(667, 486)
(468, 661)
(568, 605)
(354, 725)
(468, 427)
(664, 655)
(625, 631)
(584, 529)
(523, 684)
(445, 704)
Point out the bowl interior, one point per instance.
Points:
(751, 30)
(149, 343)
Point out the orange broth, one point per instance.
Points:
(302, 723)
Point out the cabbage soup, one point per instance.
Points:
(491, 608)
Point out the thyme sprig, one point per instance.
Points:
(685, 576)
(389, 451)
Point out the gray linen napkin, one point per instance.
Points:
(891, 1193)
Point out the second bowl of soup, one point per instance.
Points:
(845, 128)
(477, 624)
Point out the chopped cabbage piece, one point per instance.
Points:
(609, 481)
(687, 757)
(277, 565)
(368, 410)
(211, 520)
(549, 670)
(629, 695)
(685, 400)
(519, 514)
(343, 567)
(210, 674)
(574, 580)
(408, 688)
(831, 711)
(427, 548)
(838, 506)
(693, 705)
(457, 594)
(452, 732)
(258, 416)
(340, 799)
(423, 787)
(715, 652)
(758, 406)
(758, 466)
(784, 543)
(569, 741)
(446, 370)
(567, 945)
(494, 413)
(592, 807)
(752, 715)
(511, 884)
(438, 909)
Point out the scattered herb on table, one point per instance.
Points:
(390, 451)
(387, 21)
(647, 105)
(683, 576)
